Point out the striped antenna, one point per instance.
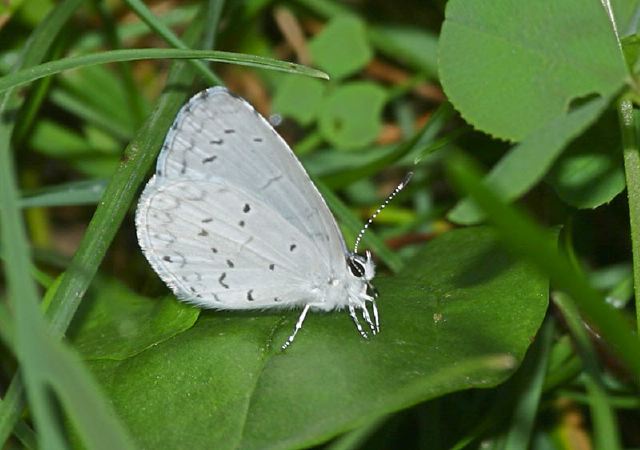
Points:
(379, 210)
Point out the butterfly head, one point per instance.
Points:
(361, 266)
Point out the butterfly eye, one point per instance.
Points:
(356, 267)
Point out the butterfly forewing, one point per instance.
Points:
(218, 136)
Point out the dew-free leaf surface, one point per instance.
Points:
(350, 116)
(502, 67)
(461, 315)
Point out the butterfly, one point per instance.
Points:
(232, 221)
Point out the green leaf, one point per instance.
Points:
(117, 323)
(351, 115)
(510, 66)
(525, 164)
(299, 98)
(341, 48)
(591, 171)
(447, 324)
(525, 238)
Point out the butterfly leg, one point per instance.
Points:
(376, 317)
(367, 318)
(354, 317)
(299, 323)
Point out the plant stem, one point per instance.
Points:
(632, 174)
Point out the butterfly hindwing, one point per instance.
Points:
(218, 246)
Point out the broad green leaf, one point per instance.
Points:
(526, 163)
(510, 66)
(299, 98)
(351, 115)
(461, 315)
(341, 48)
(591, 171)
(116, 323)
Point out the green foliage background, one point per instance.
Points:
(496, 107)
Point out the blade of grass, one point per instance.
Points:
(412, 147)
(616, 401)
(179, 15)
(528, 401)
(357, 438)
(602, 415)
(30, 74)
(631, 152)
(139, 157)
(525, 238)
(33, 52)
(169, 37)
(85, 402)
(89, 114)
(87, 192)
(134, 98)
(42, 360)
(32, 343)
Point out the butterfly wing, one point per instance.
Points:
(220, 246)
(219, 136)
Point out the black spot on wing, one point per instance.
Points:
(272, 266)
(241, 223)
(216, 141)
(292, 247)
(229, 131)
(250, 295)
(209, 159)
(207, 220)
(246, 208)
(221, 280)
(230, 263)
(257, 139)
(203, 232)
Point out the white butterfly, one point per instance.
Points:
(232, 221)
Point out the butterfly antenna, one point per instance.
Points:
(379, 210)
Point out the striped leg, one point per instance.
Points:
(297, 328)
(367, 318)
(354, 317)
(376, 318)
